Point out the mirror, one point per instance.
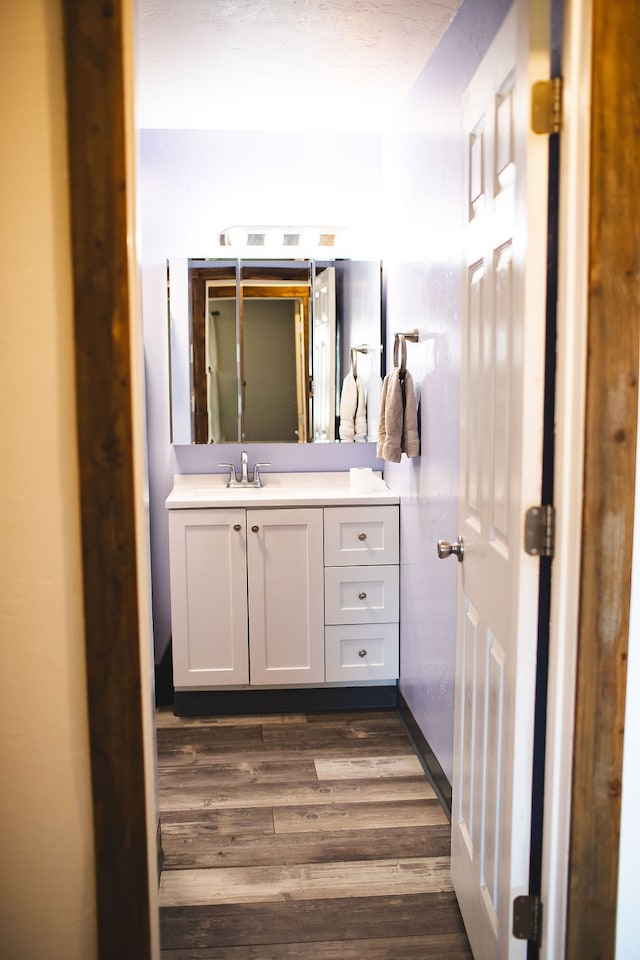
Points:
(259, 349)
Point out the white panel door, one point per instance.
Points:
(286, 596)
(502, 379)
(208, 574)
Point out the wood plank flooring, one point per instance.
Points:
(301, 837)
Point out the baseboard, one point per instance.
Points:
(164, 678)
(159, 849)
(427, 757)
(195, 703)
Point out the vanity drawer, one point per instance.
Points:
(361, 652)
(361, 594)
(361, 535)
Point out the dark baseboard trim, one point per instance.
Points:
(159, 849)
(195, 703)
(164, 678)
(427, 757)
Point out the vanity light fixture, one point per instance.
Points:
(236, 237)
(302, 239)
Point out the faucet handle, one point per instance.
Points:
(256, 473)
(232, 473)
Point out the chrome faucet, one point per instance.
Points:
(245, 479)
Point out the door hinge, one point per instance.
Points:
(546, 106)
(539, 531)
(527, 918)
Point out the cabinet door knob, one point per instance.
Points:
(362, 536)
(237, 526)
(255, 528)
(362, 595)
(362, 653)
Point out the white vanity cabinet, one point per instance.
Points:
(362, 593)
(290, 587)
(246, 597)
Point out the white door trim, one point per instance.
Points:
(569, 456)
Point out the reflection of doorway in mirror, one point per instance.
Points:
(251, 376)
(269, 349)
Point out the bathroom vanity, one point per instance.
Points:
(289, 590)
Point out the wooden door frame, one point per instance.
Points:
(98, 67)
(99, 134)
(611, 429)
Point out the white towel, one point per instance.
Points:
(398, 424)
(353, 410)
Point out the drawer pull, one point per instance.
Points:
(362, 595)
(255, 528)
(362, 536)
(237, 526)
(362, 653)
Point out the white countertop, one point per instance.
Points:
(200, 490)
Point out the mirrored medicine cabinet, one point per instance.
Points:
(259, 348)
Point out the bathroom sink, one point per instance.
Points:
(278, 489)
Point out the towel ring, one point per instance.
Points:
(353, 363)
(400, 348)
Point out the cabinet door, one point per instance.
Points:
(286, 596)
(207, 550)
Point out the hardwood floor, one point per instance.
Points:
(301, 836)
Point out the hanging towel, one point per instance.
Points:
(398, 424)
(353, 410)
(361, 412)
(391, 416)
(410, 437)
(382, 431)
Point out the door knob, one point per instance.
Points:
(445, 549)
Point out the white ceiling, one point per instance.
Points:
(281, 64)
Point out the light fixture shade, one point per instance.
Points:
(309, 237)
(237, 236)
(274, 237)
(340, 240)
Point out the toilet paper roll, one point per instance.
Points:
(361, 479)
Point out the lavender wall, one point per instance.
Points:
(193, 184)
(424, 165)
